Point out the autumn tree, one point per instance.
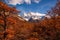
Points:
(49, 28)
(5, 11)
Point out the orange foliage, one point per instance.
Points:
(47, 29)
(11, 20)
(1, 21)
(33, 39)
(7, 8)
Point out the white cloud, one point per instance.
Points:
(37, 1)
(28, 1)
(14, 2)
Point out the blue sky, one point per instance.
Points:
(27, 6)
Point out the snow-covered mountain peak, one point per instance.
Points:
(32, 15)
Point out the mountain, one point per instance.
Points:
(31, 16)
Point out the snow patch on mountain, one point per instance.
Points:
(33, 15)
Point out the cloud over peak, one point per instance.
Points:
(28, 1)
(14, 2)
(37, 1)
